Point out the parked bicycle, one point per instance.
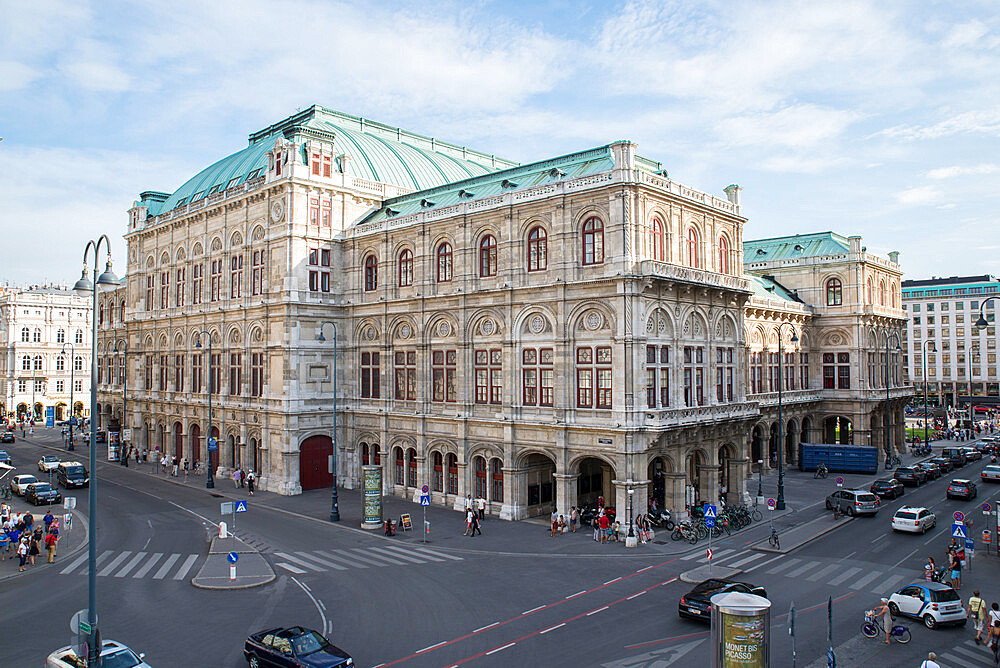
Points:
(872, 628)
(685, 531)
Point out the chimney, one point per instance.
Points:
(855, 242)
(894, 257)
(733, 194)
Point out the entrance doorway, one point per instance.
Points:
(313, 469)
(540, 487)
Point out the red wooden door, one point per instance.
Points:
(178, 441)
(313, 456)
(195, 443)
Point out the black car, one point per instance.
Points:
(42, 492)
(932, 470)
(294, 646)
(944, 462)
(7, 437)
(910, 475)
(887, 489)
(5, 458)
(961, 489)
(697, 603)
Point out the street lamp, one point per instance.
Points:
(209, 479)
(888, 418)
(927, 443)
(72, 368)
(981, 323)
(780, 505)
(105, 281)
(334, 503)
(124, 344)
(760, 475)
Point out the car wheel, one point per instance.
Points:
(929, 621)
(851, 511)
(829, 506)
(894, 610)
(254, 663)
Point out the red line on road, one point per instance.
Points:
(497, 625)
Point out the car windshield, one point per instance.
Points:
(50, 458)
(944, 595)
(42, 487)
(27, 479)
(307, 643)
(122, 658)
(76, 470)
(906, 515)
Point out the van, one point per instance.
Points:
(956, 455)
(72, 474)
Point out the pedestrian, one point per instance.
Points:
(184, 465)
(929, 568)
(468, 522)
(604, 524)
(50, 546)
(574, 515)
(993, 619)
(723, 490)
(956, 571)
(236, 478)
(475, 525)
(615, 531)
(554, 520)
(29, 521)
(34, 545)
(481, 505)
(468, 502)
(22, 554)
(977, 611)
(600, 502)
(174, 465)
(597, 530)
(930, 661)
(251, 480)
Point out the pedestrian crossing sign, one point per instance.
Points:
(241, 507)
(710, 512)
(958, 531)
(425, 499)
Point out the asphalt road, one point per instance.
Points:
(397, 603)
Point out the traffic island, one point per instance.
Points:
(702, 573)
(252, 570)
(798, 536)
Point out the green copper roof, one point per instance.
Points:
(796, 246)
(377, 152)
(570, 166)
(768, 288)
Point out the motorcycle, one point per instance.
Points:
(821, 473)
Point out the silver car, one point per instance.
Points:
(853, 502)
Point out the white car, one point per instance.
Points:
(932, 603)
(48, 463)
(915, 520)
(19, 484)
(113, 654)
(991, 472)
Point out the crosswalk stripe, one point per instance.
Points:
(344, 560)
(186, 566)
(849, 573)
(76, 562)
(443, 555)
(320, 560)
(889, 584)
(114, 562)
(978, 653)
(148, 565)
(802, 569)
(747, 560)
(130, 565)
(291, 568)
(720, 554)
(377, 557)
(393, 548)
(300, 562)
(379, 551)
(782, 566)
(859, 584)
(951, 659)
(689, 557)
(823, 573)
(160, 574)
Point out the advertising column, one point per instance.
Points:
(741, 631)
(371, 490)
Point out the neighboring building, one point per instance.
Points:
(45, 343)
(961, 359)
(539, 335)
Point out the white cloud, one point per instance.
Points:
(14, 75)
(965, 34)
(960, 170)
(97, 76)
(919, 196)
(985, 121)
(795, 126)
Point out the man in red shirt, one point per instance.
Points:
(603, 523)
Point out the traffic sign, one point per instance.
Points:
(987, 508)
(958, 531)
(771, 503)
(709, 522)
(425, 499)
(69, 502)
(226, 507)
(233, 557)
(213, 445)
(425, 489)
(78, 622)
(241, 506)
(970, 544)
(959, 516)
(840, 481)
(711, 512)
(709, 554)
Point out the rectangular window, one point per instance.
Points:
(257, 272)
(314, 211)
(164, 289)
(324, 281)
(39, 385)
(315, 164)
(370, 381)
(829, 371)
(788, 372)
(657, 376)
(313, 281)
(236, 276)
(197, 275)
(489, 376)
(163, 373)
(326, 213)
(196, 373)
(256, 374)
(326, 165)
(150, 281)
(772, 372)
(22, 386)
(178, 373)
(59, 386)
(444, 375)
(179, 287)
(594, 377)
(406, 375)
(148, 373)
(723, 374)
(537, 376)
(216, 280)
(843, 371)
(215, 373)
(78, 386)
(235, 374)
(694, 376)
(804, 371)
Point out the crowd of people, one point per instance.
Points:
(24, 539)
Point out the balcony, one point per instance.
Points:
(677, 273)
(680, 417)
(788, 397)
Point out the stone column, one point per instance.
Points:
(708, 483)
(565, 493)
(463, 485)
(674, 483)
(736, 477)
(513, 495)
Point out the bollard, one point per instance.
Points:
(223, 533)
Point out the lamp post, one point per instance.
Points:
(72, 379)
(83, 286)
(888, 376)
(334, 503)
(209, 478)
(981, 323)
(780, 505)
(927, 442)
(760, 475)
(124, 389)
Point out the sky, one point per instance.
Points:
(877, 118)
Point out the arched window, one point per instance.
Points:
(444, 267)
(593, 241)
(398, 469)
(38, 362)
(364, 454)
(371, 273)
(452, 474)
(78, 363)
(411, 468)
(538, 252)
(834, 292)
(480, 466)
(871, 291)
(78, 338)
(26, 363)
(488, 256)
(892, 294)
(723, 266)
(25, 335)
(438, 472)
(497, 470)
(405, 268)
(100, 311)
(881, 293)
(693, 242)
(60, 363)
(121, 312)
(656, 240)
(376, 455)
(36, 336)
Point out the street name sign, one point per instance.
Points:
(226, 507)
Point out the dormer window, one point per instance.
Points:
(556, 173)
(197, 196)
(214, 189)
(466, 194)
(799, 247)
(232, 183)
(507, 184)
(390, 212)
(761, 251)
(320, 164)
(254, 174)
(182, 201)
(426, 203)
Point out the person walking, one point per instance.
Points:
(956, 571)
(251, 481)
(468, 502)
(929, 568)
(554, 521)
(481, 506)
(930, 661)
(468, 522)
(604, 524)
(22, 554)
(475, 525)
(993, 619)
(34, 545)
(50, 545)
(977, 611)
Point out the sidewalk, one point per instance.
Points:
(71, 541)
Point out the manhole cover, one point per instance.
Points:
(660, 542)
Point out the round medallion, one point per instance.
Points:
(277, 211)
(650, 325)
(536, 324)
(594, 320)
(487, 327)
(661, 326)
(370, 333)
(444, 329)
(404, 331)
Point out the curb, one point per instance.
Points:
(763, 546)
(721, 572)
(83, 546)
(224, 588)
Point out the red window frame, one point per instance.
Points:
(370, 375)
(723, 374)
(314, 211)
(411, 468)
(479, 464)
(593, 241)
(834, 292)
(438, 460)
(400, 465)
(444, 376)
(829, 371)
(804, 371)
(327, 165)
(594, 377)
(693, 241)
(197, 279)
(405, 375)
(215, 373)
(326, 214)
(538, 251)
(452, 473)
(537, 376)
(405, 268)
(488, 370)
(656, 246)
(723, 255)
(315, 164)
(488, 256)
(371, 273)
(843, 371)
(445, 269)
(496, 469)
